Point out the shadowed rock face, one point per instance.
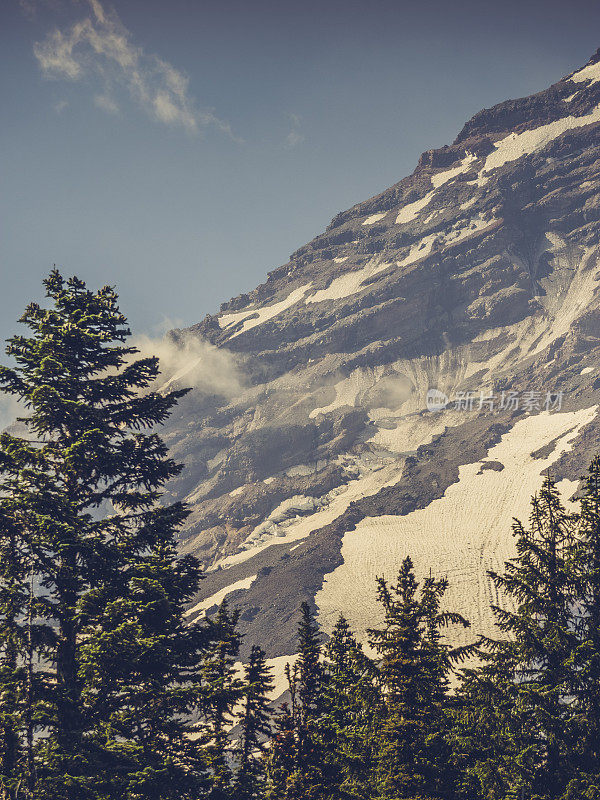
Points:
(477, 273)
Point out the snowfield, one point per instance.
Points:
(263, 313)
(516, 145)
(461, 535)
(349, 283)
(590, 73)
(374, 218)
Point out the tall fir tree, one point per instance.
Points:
(296, 761)
(536, 657)
(586, 688)
(255, 726)
(122, 666)
(280, 761)
(352, 712)
(13, 634)
(25, 638)
(222, 691)
(414, 665)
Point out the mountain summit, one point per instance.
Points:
(408, 376)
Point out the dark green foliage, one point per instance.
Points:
(414, 663)
(351, 716)
(296, 769)
(121, 666)
(221, 690)
(106, 693)
(586, 658)
(15, 709)
(255, 726)
(541, 631)
(281, 760)
(517, 724)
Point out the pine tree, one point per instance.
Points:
(23, 638)
(295, 771)
(280, 761)
(586, 688)
(122, 665)
(13, 606)
(351, 715)
(255, 724)
(489, 737)
(222, 691)
(414, 664)
(541, 639)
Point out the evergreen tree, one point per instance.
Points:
(122, 665)
(281, 758)
(535, 659)
(414, 664)
(308, 691)
(222, 691)
(351, 715)
(255, 724)
(586, 688)
(296, 764)
(490, 736)
(13, 636)
(23, 638)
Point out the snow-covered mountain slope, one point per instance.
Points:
(476, 274)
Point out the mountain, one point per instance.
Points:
(473, 280)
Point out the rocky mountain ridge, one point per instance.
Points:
(476, 277)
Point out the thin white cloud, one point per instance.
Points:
(190, 361)
(106, 103)
(295, 136)
(60, 106)
(293, 139)
(31, 7)
(100, 47)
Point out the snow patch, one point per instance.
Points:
(346, 391)
(217, 598)
(468, 204)
(280, 680)
(516, 145)
(349, 283)
(590, 73)
(419, 250)
(263, 313)
(461, 535)
(443, 177)
(410, 211)
(374, 218)
(461, 232)
(327, 509)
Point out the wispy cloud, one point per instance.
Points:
(190, 361)
(31, 7)
(295, 136)
(293, 139)
(106, 103)
(99, 47)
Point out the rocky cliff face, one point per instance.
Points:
(476, 276)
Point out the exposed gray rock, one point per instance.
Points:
(477, 273)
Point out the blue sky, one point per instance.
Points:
(182, 149)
